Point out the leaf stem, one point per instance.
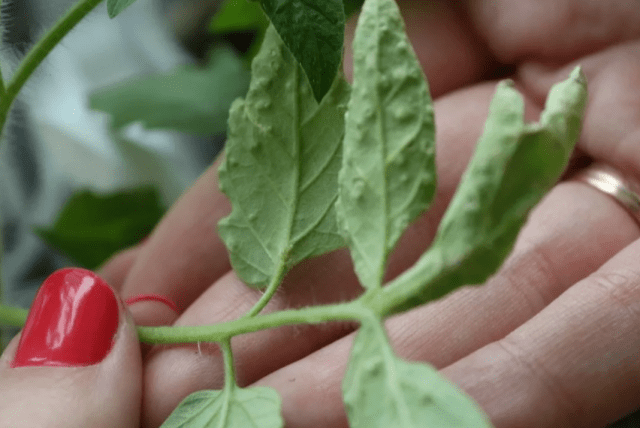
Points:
(12, 317)
(269, 292)
(229, 367)
(40, 51)
(353, 311)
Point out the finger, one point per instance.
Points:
(450, 54)
(553, 30)
(577, 363)
(172, 373)
(564, 240)
(77, 361)
(116, 269)
(184, 254)
(611, 129)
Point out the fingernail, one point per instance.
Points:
(152, 298)
(72, 322)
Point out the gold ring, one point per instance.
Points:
(625, 190)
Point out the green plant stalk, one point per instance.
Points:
(39, 52)
(269, 291)
(351, 311)
(12, 317)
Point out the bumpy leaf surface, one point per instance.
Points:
(234, 408)
(191, 99)
(381, 390)
(388, 173)
(281, 167)
(514, 165)
(91, 226)
(314, 32)
(114, 7)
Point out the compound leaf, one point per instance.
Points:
(314, 32)
(514, 166)
(229, 408)
(388, 172)
(114, 7)
(91, 226)
(281, 168)
(190, 99)
(381, 390)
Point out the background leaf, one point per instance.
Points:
(281, 168)
(238, 15)
(513, 167)
(190, 99)
(91, 227)
(352, 6)
(381, 390)
(114, 7)
(388, 172)
(234, 408)
(314, 32)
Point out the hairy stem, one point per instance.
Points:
(229, 367)
(352, 311)
(269, 292)
(39, 52)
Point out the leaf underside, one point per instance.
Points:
(236, 408)
(388, 173)
(314, 32)
(281, 167)
(381, 390)
(514, 166)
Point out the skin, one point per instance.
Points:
(551, 340)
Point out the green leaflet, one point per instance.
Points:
(91, 227)
(189, 99)
(281, 167)
(381, 390)
(513, 167)
(314, 32)
(388, 172)
(238, 15)
(230, 408)
(114, 7)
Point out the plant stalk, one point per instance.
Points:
(39, 52)
(351, 311)
(269, 292)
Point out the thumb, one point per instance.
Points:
(77, 360)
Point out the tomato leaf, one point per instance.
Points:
(381, 390)
(91, 227)
(388, 170)
(190, 99)
(514, 166)
(314, 32)
(281, 168)
(229, 408)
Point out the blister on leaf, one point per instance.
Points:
(388, 171)
(230, 408)
(382, 390)
(514, 166)
(281, 168)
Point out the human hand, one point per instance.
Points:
(533, 344)
(77, 361)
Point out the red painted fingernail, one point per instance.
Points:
(72, 322)
(152, 298)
